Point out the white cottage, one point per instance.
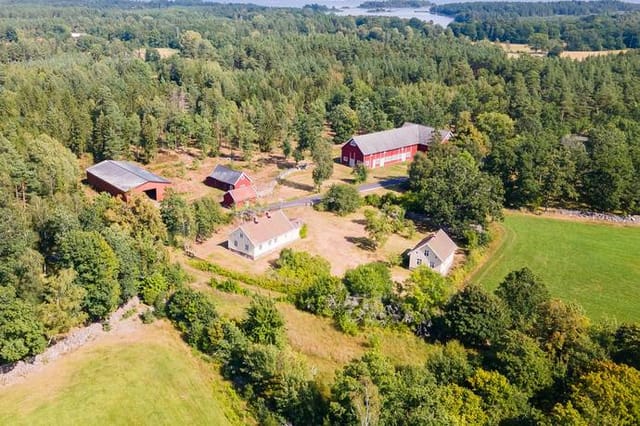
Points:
(436, 251)
(264, 234)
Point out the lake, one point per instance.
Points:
(350, 8)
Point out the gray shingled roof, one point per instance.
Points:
(226, 175)
(439, 243)
(387, 140)
(123, 175)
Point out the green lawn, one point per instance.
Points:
(148, 380)
(596, 265)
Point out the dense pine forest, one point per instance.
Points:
(85, 81)
(570, 25)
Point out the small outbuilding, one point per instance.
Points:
(264, 234)
(227, 179)
(378, 149)
(239, 197)
(121, 178)
(436, 251)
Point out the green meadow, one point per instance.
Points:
(152, 378)
(596, 265)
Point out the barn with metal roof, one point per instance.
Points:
(227, 179)
(121, 178)
(390, 146)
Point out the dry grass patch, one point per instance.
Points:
(581, 56)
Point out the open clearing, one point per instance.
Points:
(335, 238)
(595, 265)
(515, 50)
(325, 349)
(148, 376)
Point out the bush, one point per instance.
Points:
(228, 286)
(373, 200)
(346, 324)
(264, 323)
(304, 230)
(341, 199)
(196, 317)
(147, 317)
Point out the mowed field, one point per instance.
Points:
(596, 265)
(149, 377)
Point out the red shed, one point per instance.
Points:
(390, 146)
(239, 197)
(227, 179)
(120, 178)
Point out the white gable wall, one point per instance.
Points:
(239, 242)
(426, 256)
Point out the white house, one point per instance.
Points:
(436, 251)
(264, 234)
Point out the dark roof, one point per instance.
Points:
(123, 175)
(226, 175)
(439, 243)
(407, 135)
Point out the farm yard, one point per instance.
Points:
(187, 172)
(335, 238)
(146, 376)
(595, 265)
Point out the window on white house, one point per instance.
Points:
(433, 265)
(419, 262)
(235, 243)
(246, 247)
(426, 253)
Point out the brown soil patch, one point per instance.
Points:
(335, 238)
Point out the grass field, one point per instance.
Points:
(147, 378)
(596, 265)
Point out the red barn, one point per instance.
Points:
(390, 146)
(120, 178)
(239, 197)
(227, 179)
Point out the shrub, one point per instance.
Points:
(341, 199)
(346, 324)
(147, 317)
(264, 323)
(304, 230)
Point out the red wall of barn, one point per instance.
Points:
(103, 186)
(409, 151)
(243, 181)
(159, 187)
(349, 151)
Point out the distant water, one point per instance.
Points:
(350, 8)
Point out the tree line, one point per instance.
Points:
(575, 25)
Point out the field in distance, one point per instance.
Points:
(148, 377)
(596, 265)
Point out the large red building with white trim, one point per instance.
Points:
(390, 146)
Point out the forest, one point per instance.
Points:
(85, 81)
(570, 25)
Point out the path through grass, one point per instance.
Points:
(596, 265)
